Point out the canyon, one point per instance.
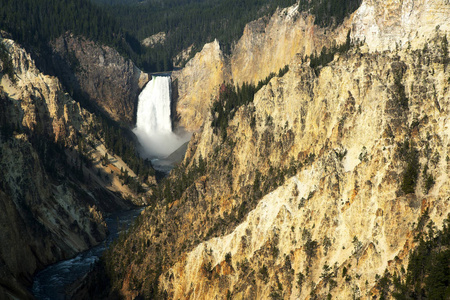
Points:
(314, 185)
(99, 75)
(55, 189)
(311, 179)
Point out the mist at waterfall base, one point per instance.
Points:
(154, 124)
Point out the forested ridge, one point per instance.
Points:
(34, 23)
(122, 23)
(196, 22)
(186, 23)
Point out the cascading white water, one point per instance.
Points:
(153, 122)
(153, 114)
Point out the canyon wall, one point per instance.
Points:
(316, 187)
(267, 45)
(53, 187)
(270, 43)
(344, 207)
(197, 84)
(99, 75)
(385, 25)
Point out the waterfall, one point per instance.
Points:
(153, 114)
(153, 121)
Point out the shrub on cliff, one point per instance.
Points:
(7, 65)
(411, 173)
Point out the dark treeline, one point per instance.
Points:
(34, 23)
(327, 55)
(232, 97)
(8, 67)
(229, 100)
(171, 188)
(116, 2)
(428, 274)
(329, 12)
(186, 23)
(122, 142)
(120, 23)
(196, 22)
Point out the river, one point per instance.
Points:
(50, 283)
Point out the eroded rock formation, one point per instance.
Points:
(310, 193)
(345, 206)
(267, 45)
(197, 83)
(99, 74)
(49, 210)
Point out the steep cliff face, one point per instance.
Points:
(44, 219)
(316, 189)
(99, 74)
(59, 116)
(197, 83)
(267, 45)
(345, 207)
(385, 24)
(50, 210)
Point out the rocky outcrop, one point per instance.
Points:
(45, 108)
(52, 194)
(197, 83)
(182, 57)
(99, 75)
(345, 207)
(158, 38)
(385, 25)
(267, 45)
(309, 183)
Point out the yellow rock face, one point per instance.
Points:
(267, 45)
(197, 84)
(347, 117)
(343, 130)
(271, 43)
(42, 99)
(385, 24)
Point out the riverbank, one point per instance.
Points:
(52, 282)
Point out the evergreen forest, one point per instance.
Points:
(428, 272)
(122, 24)
(34, 23)
(187, 23)
(196, 22)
